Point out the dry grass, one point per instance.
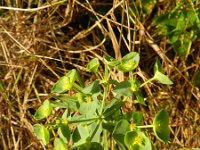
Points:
(40, 44)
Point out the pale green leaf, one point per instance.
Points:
(162, 78)
(42, 133)
(43, 111)
(93, 65)
(59, 144)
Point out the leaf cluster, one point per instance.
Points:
(92, 120)
(181, 26)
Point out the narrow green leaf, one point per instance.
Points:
(161, 126)
(162, 78)
(59, 144)
(93, 65)
(80, 136)
(59, 104)
(96, 146)
(43, 111)
(42, 133)
(119, 132)
(139, 98)
(80, 80)
(95, 130)
(76, 136)
(112, 107)
(64, 132)
(70, 102)
(157, 66)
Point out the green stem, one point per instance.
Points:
(98, 74)
(130, 75)
(148, 81)
(104, 98)
(77, 88)
(82, 120)
(105, 140)
(144, 127)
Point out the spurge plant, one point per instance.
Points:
(93, 117)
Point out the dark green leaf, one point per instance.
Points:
(96, 146)
(43, 111)
(109, 125)
(197, 79)
(137, 117)
(173, 39)
(120, 130)
(42, 133)
(180, 24)
(112, 107)
(93, 65)
(160, 126)
(80, 136)
(76, 136)
(64, 132)
(139, 98)
(80, 80)
(114, 82)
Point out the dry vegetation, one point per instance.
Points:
(42, 41)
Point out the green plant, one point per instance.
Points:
(93, 117)
(181, 25)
